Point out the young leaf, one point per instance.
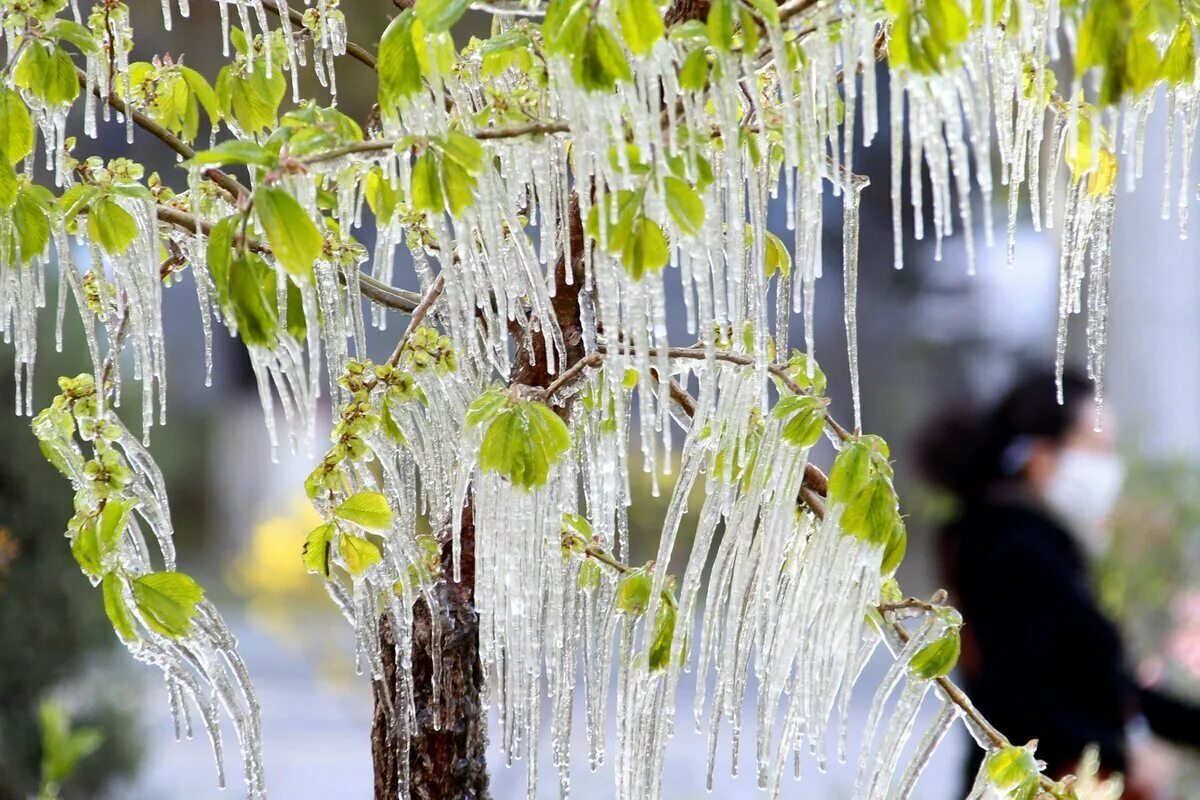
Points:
(116, 609)
(251, 303)
(633, 593)
(167, 601)
(110, 226)
(358, 552)
(893, 551)
(439, 15)
(661, 636)
(8, 186)
(641, 25)
(426, 184)
(113, 520)
(850, 471)
(317, 547)
(16, 127)
(294, 237)
(936, 658)
(872, 514)
(720, 25)
(1011, 766)
(693, 75)
(399, 69)
(646, 249)
(237, 151)
(368, 510)
(684, 205)
(522, 442)
(804, 419)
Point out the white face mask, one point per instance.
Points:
(1082, 493)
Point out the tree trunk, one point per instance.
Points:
(446, 757)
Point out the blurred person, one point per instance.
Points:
(1035, 483)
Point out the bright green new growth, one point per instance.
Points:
(522, 439)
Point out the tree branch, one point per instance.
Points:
(297, 18)
(431, 296)
(222, 179)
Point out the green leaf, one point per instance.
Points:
(85, 546)
(937, 658)
(661, 636)
(295, 239)
(62, 747)
(693, 74)
(399, 69)
(767, 10)
(113, 520)
(804, 419)
(317, 548)
(523, 441)
(167, 601)
(641, 25)
(850, 471)
(720, 25)
(252, 300)
(32, 222)
(872, 514)
(381, 195)
(76, 199)
(893, 551)
(48, 74)
(71, 31)
(459, 188)
(439, 16)
(777, 257)
(205, 95)
(1179, 61)
(368, 510)
(646, 249)
(564, 26)
(220, 255)
(633, 592)
(237, 151)
(16, 127)
(110, 226)
(358, 552)
(1011, 766)
(426, 184)
(8, 186)
(684, 205)
(115, 608)
(600, 63)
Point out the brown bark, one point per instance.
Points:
(447, 750)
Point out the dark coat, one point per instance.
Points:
(1040, 660)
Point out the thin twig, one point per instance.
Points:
(536, 128)
(418, 315)
(297, 18)
(220, 178)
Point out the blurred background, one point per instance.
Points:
(928, 334)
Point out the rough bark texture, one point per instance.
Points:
(447, 753)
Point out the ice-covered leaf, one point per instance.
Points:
(661, 636)
(641, 25)
(16, 127)
(646, 249)
(633, 592)
(295, 239)
(438, 16)
(317, 548)
(684, 205)
(523, 441)
(871, 514)
(398, 67)
(358, 552)
(803, 419)
(167, 601)
(850, 472)
(1011, 766)
(110, 226)
(369, 510)
(937, 658)
(114, 606)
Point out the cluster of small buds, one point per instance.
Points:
(344, 251)
(427, 349)
(97, 292)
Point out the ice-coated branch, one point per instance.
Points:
(230, 184)
(418, 315)
(355, 51)
(371, 288)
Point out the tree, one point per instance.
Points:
(547, 180)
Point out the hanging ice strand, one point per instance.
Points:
(1086, 244)
(160, 614)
